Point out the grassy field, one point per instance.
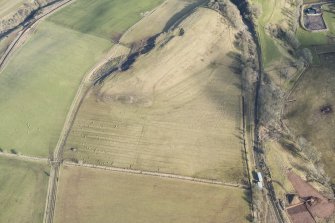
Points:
(88, 195)
(103, 18)
(271, 14)
(23, 189)
(39, 83)
(177, 110)
(316, 89)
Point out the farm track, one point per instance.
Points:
(25, 158)
(156, 174)
(24, 33)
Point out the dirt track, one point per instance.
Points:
(25, 158)
(164, 175)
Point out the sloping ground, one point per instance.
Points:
(272, 13)
(321, 207)
(176, 111)
(38, 85)
(156, 21)
(304, 116)
(89, 195)
(104, 18)
(23, 189)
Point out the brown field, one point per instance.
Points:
(304, 116)
(177, 110)
(90, 195)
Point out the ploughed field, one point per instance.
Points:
(23, 190)
(89, 195)
(40, 81)
(311, 115)
(176, 110)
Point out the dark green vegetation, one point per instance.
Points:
(23, 189)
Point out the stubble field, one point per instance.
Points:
(89, 195)
(178, 110)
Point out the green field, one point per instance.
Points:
(271, 13)
(88, 195)
(316, 89)
(39, 84)
(23, 189)
(103, 18)
(40, 81)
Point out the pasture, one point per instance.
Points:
(23, 189)
(271, 13)
(104, 18)
(39, 84)
(41, 80)
(177, 110)
(306, 116)
(90, 195)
